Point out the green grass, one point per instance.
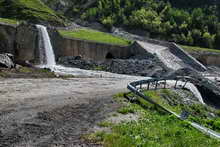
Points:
(126, 110)
(198, 113)
(105, 124)
(31, 10)
(155, 128)
(9, 21)
(86, 34)
(198, 49)
(38, 9)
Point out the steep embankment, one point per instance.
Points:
(172, 56)
(34, 11)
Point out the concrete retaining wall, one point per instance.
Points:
(91, 50)
(207, 58)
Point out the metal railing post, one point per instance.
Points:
(148, 85)
(156, 85)
(175, 84)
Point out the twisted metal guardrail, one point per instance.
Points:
(136, 86)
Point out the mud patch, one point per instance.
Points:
(62, 126)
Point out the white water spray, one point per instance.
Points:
(47, 60)
(47, 57)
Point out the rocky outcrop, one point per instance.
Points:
(59, 5)
(26, 43)
(21, 41)
(7, 38)
(136, 65)
(6, 60)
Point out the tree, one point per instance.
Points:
(217, 40)
(146, 19)
(197, 37)
(197, 18)
(208, 40)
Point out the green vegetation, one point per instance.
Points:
(154, 128)
(198, 113)
(26, 72)
(105, 124)
(31, 10)
(126, 110)
(188, 22)
(9, 21)
(98, 68)
(92, 35)
(199, 49)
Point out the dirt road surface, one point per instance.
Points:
(54, 112)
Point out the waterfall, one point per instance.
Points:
(47, 57)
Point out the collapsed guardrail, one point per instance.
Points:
(135, 87)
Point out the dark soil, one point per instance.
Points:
(62, 126)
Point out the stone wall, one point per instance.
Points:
(22, 41)
(26, 43)
(92, 50)
(7, 38)
(89, 50)
(207, 58)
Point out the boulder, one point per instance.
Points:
(6, 60)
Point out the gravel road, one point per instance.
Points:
(54, 112)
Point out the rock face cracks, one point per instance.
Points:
(21, 41)
(7, 38)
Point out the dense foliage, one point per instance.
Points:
(189, 22)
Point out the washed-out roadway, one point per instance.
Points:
(55, 112)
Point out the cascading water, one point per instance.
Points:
(47, 57)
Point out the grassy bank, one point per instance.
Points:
(26, 72)
(86, 34)
(202, 114)
(30, 10)
(154, 128)
(199, 49)
(9, 21)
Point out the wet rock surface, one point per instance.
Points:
(137, 65)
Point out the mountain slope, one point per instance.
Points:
(33, 11)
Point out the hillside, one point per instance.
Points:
(33, 11)
(185, 22)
